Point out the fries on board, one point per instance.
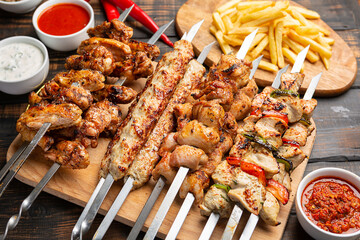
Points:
(283, 31)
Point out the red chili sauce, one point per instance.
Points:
(333, 204)
(63, 19)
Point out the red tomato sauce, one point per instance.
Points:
(333, 204)
(63, 19)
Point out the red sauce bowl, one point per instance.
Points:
(306, 184)
(62, 24)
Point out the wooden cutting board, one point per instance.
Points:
(77, 186)
(336, 80)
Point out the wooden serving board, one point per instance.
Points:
(336, 80)
(77, 186)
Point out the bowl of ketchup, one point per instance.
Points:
(328, 204)
(62, 24)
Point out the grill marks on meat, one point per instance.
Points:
(144, 115)
(152, 51)
(116, 94)
(137, 66)
(88, 79)
(241, 105)
(148, 156)
(70, 154)
(132, 59)
(101, 116)
(98, 58)
(115, 30)
(60, 116)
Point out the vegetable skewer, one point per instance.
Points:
(181, 174)
(252, 222)
(237, 212)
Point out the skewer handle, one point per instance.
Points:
(180, 218)
(147, 209)
(26, 204)
(12, 160)
(209, 226)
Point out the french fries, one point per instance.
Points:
(283, 31)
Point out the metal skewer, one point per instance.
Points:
(251, 224)
(125, 13)
(26, 204)
(105, 224)
(18, 159)
(85, 220)
(25, 150)
(252, 221)
(182, 172)
(189, 199)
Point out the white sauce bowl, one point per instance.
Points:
(30, 83)
(66, 42)
(22, 6)
(311, 228)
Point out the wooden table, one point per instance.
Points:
(337, 119)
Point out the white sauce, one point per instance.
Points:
(19, 61)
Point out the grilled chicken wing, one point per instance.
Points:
(152, 51)
(116, 94)
(45, 142)
(76, 95)
(115, 30)
(88, 79)
(99, 117)
(98, 58)
(138, 66)
(60, 116)
(70, 154)
(120, 51)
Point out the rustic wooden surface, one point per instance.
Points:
(337, 143)
(336, 80)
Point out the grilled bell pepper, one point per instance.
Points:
(254, 170)
(278, 190)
